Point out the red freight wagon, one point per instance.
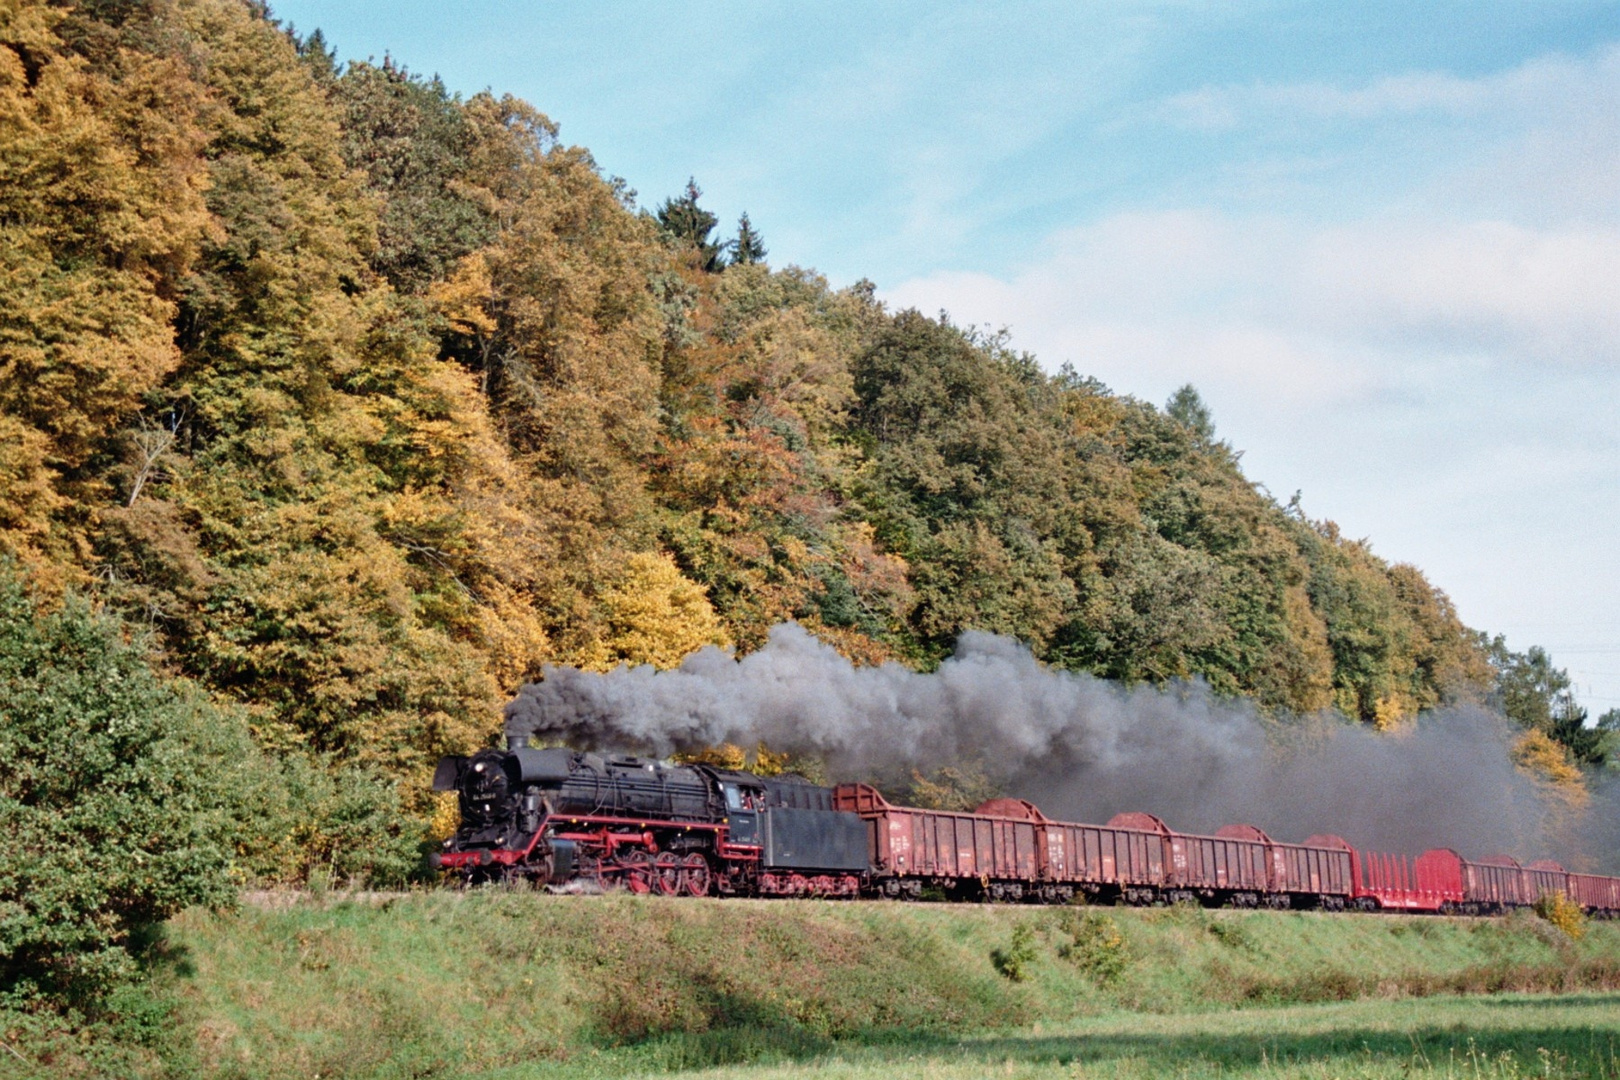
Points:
(1495, 882)
(1431, 882)
(1315, 873)
(1594, 893)
(1105, 859)
(951, 849)
(1545, 878)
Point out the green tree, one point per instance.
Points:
(1531, 691)
(414, 143)
(749, 247)
(1187, 407)
(115, 801)
(1608, 726)
(690, 228)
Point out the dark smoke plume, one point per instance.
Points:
(1079, 747)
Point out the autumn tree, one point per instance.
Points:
(653, 615)
(101, 217)
(300, 553)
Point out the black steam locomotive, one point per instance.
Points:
(557, 816)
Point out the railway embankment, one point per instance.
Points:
(447, 984)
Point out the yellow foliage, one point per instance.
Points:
(762, 762)
(1549, 761)
(1538, 753)
(653, 615)
(101, 213)
(1564, 913)
(770, 763)
(464, 299)
(1389, 712)
(446, 816)
(724, 756)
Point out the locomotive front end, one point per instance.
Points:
(501, 796)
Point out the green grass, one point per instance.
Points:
(1502, 1037)
(496, 984)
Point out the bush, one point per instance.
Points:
(1564, 913)
(114, 813)
(308, 818)
(1095, 945)
(1014, 960)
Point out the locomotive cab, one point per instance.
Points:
(742, 813)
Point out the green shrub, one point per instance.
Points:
(1230, 933)
(1095, 945)
(114, 809)
(1014, 960)
(311, 819)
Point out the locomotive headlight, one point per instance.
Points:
(478, 767)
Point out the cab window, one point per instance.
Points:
(733, 799)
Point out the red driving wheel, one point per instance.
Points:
(695, 876)
(667, 873)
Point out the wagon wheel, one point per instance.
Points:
(695, 876)
(638, 871)
(666, 880)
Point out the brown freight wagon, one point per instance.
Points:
(996, 857)
(1495, 883)
(1299, 875)
(1118, 860)
(1545, 878)
(1600, 895)
(1207, 867)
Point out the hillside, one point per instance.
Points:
(369, 401)
(522, 984)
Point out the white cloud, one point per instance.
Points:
(1548, 81)
(1310, 311)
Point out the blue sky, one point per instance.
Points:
(1383, 240)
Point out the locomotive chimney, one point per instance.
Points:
(516, 742)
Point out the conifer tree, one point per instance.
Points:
(1187, 406)
(690, 227)
(749, 247)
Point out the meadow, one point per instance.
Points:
(516, 984)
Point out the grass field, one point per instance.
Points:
(499, 984)
(1500, 1037)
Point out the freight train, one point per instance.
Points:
(568, 819)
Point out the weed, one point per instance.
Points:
(1231, 934)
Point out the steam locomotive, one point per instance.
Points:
(573, 820)
(560, 816)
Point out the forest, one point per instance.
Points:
(334, 405)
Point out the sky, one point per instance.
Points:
(1381, 239)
